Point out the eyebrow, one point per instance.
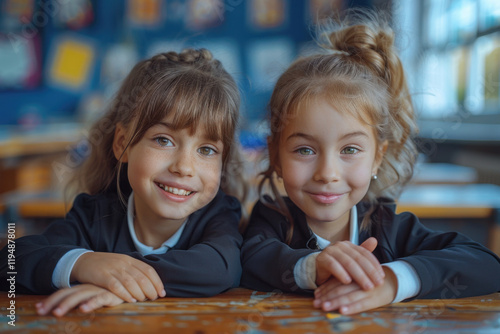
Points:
(165, 124)
(312, 138)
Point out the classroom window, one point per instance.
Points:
(459, 62)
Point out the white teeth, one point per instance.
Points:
(175, 191)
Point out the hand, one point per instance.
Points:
(348, 262)
(87, 297)
(128, 278)
(350, 298)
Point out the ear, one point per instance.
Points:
(120, 143)
(382, 148)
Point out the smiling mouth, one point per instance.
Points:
(175, 191)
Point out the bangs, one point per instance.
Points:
(347, 96)
(192, 98)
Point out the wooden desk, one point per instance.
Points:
(456, 201)
(246, 311)
(443, 173)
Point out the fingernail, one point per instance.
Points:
(85, 308)
(134, 300)
(317, 303)
(163, 293)
(344, 309)
(58, 311)
(327, 305)
(368, 286)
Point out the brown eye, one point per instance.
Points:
(163, 141)
(208, 151)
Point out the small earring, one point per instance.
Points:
(374, 176)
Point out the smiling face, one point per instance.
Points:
(173, 172)
(326, 159)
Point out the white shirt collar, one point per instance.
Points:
(145, 249)
(353, 230)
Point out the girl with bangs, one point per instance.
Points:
(153, 220)
(341, 142)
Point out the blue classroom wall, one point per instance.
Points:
(46, 103)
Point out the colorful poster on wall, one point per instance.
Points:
(319, 10)
(267, 14)
(144, 13)
(267, 60)
(71, 62)
(19, 64)
(203, 14)
(74, 14)
(162, 46)
(227, 52)
(15, 14)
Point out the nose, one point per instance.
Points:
(327, 169)
(182, 164)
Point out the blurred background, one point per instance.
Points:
(61, 61)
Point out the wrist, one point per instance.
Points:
(74, 277)
(390, 282)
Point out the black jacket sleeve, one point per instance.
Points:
(210, 264)
(205, 261)
(449, 264)
(268, 262)
(37, 255)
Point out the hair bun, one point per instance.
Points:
(185, 56)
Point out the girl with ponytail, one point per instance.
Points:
(152, 219)
(342, 126)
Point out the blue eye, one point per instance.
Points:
(350, 150)
(208, 151)
(164, 142)
(305, 151)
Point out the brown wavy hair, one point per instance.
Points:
(193, 86)
(358, 72)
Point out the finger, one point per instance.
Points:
(146, 286)
(46, 305)
(327, 286)
(154, 278)
(129, 282)
(105, 298)
(370, 244)
(72, 300)
(337, 292)
(362, 266)
(349, 260)
(331, 292)
(326, 266)
(343, 301)
(115, 286)
(360, 305)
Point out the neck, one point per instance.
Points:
(338, 230)
(154, 236)
(152, 230)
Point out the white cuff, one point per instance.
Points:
(407, 279)
(305, 272)
(62, 271)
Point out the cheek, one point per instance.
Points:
(360, 176)
(295, 174)
(142, 167)
(211, 176)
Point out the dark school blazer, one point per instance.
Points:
(450, 265)
(204, 262)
